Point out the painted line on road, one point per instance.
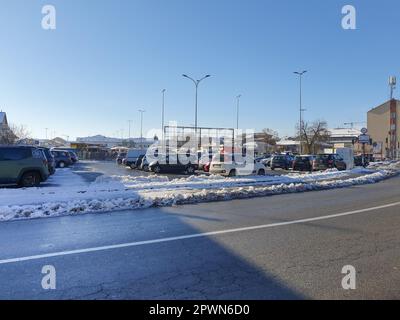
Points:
(196, 235)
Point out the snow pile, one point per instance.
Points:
(216, 181)
(127, 192)
(382, 165)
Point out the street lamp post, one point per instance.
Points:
(129, 133)
(141, 126)
(196, 83)
(237, 110)
(300, 74)
(162, 115)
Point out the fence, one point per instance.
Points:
(96, 155)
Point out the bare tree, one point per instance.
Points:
(269, 136)
(313, 135)
(21, 131)
(13, 133)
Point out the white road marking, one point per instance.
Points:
(196, 235)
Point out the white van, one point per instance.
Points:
(133, 155)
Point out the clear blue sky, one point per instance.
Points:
(107, 59)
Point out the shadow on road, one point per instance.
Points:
(198, 268)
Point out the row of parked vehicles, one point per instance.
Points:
(305, 162)
(28, 166)
(225, 163)
(169, 163)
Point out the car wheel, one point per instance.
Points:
(132, 166)
(261, 172)
(272, 168)
(146, 168)
(30, 179)
(119, 161)
(157, 169)
(61, 164)
(189, 170)
(232, 173)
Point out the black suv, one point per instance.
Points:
(328, 161)
(282, 161)
(51, 162)
(23, 166)
(171, 164)
(303, 163)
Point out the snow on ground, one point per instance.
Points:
(67, 193)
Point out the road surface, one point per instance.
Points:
(290, 246)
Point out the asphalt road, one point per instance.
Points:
(172, 253)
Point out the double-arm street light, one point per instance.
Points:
(196, 83)
(300, 74)
(141, 126)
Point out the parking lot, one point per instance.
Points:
(90, 170)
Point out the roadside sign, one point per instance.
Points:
(364, 130)
(364, 138)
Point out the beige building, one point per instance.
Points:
(383, 122)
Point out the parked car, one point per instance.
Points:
(120, 157)
(204, 159)
(226, 165)
(139, 161)
(266, 161)
(132, 156)
(303, 163)
(262, 157)
(62, 158)
(144, 165)
(358, 160)
(23, 166)
(73, 156)
(51, 162)
(328, 161)
(282, 161)
(171, 163)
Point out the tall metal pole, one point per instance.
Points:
(237, 110)
(301, 117)
(141, 127)
(196, 84)
(162, 115)
(300, 74)
(129, 124)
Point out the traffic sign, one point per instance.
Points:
(364, 130)
(364, 138)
